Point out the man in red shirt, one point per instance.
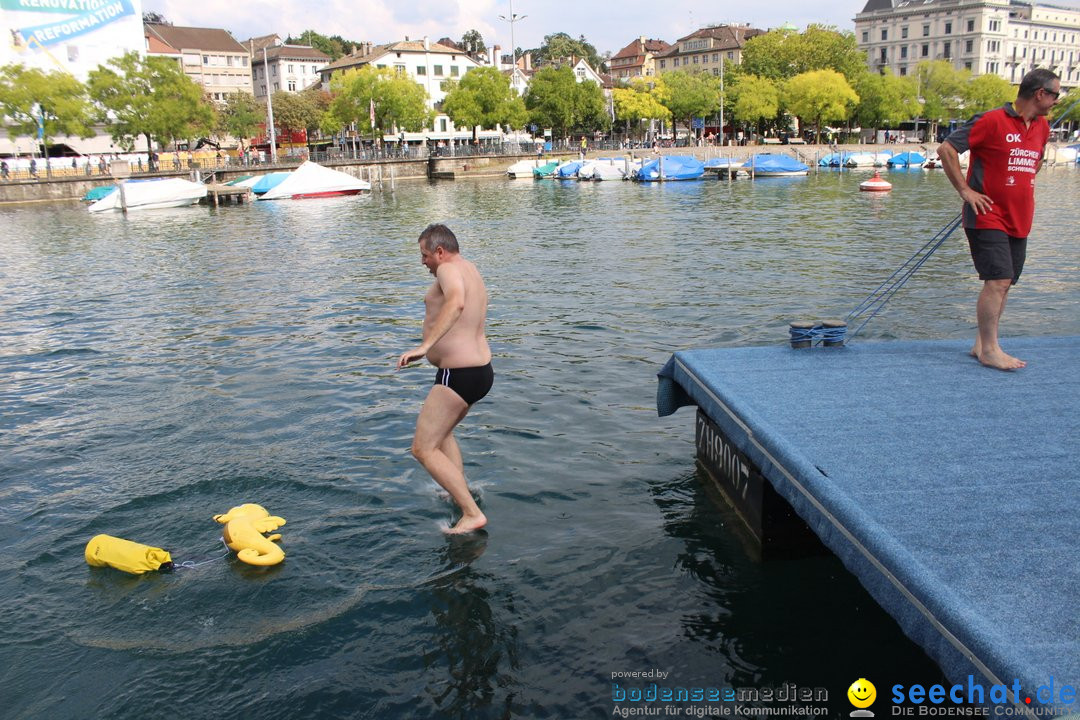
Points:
(1006, 147)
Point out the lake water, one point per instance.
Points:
(161, 368)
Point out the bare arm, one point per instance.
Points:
(950, 162)
(452, 284)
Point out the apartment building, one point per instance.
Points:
(706, 49)
(209, 56)
(428, 63)
(988, 37)
(281, 67)
(638, 59)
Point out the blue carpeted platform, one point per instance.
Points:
(951, 490)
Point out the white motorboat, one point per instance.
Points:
(151, 195)
(522, 169)
(312, 180)
(604, 169)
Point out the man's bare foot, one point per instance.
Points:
(974, 352)
(467, 524)
(1001, 361)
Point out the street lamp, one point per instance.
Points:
(270, 110)
(513, 46)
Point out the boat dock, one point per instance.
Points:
(217, 194)
(952, 491)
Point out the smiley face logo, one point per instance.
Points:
(862, 693)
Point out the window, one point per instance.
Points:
(399, 69)
(866, 36)
(421, 70)
(884, 55)
(926, 50)
(205, 59)
(967, 66)
(969, 46)
(903, 70)
(454, 70)
(273, 70)
(971, 26)
(903, 33)
(716, 71)
(292, 86)
(948, 28)
(290, 70)
(663, 64)
(437, 70)
(675, 62)
(884, 34)
(731, 55)
(926, 30)
(695, 59)
(903, 53)
(244, 59)
(947, 51)
(995, 26)
(442, 124)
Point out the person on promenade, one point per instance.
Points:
(5, 171)
(1007, 146)
(454, 342)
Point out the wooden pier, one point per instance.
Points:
(230, 194)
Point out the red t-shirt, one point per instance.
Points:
(1005, 155)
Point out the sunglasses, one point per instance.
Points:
(1051, 92)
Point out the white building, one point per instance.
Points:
(999, 37)
(209, 56)
(286, 68)
(429, 64)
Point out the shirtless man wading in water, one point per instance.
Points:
(454, 342)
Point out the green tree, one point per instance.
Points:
(555, 99)
(819, 96)
(294, 112)
(560, 46)
(642, 100)
(54, 103)
(333, 45)
(754, 99)
(783, 54)
(240, 116)
(473, 42)
(484, 98)
(150, 97)
(886, 100)
(691, 95)
(941, 87)
(399, 102)
(987, 92)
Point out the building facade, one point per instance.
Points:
(988, 37)
(429, 64)
(706, 49)
(209, 56)
(638, 59)
(283, 68)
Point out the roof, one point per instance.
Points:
(256, 44)
(380, 51)
(640, 47)
(730, 37)
(872, 5)
(290, 52)
(190, 38)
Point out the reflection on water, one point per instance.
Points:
(161, 368)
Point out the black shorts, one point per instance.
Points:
(997, 256)
(470, 383)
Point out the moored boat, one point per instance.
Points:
(151, 195)
(670, 167)
(312, 180)
(771, 165)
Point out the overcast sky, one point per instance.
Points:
(608, 25)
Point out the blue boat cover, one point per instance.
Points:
(675, 167)
(766, 162)
(962, 523)
(268, 182)
(569, 170)
(907, 159)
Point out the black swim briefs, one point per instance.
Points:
(997, 256)
(470, 383)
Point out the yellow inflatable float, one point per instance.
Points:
(244, 528)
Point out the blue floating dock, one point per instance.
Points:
(952, 491)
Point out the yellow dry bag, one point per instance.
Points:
(131, 557)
